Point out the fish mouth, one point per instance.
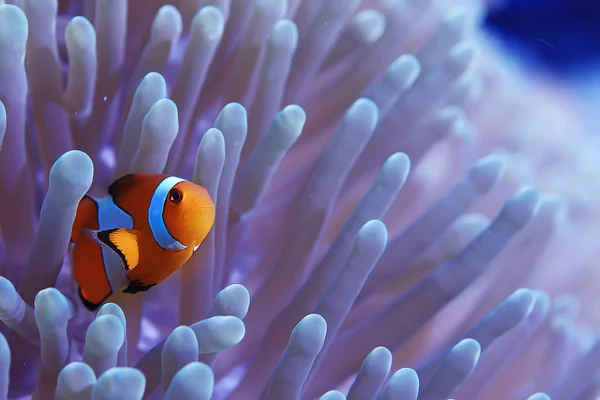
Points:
(196, 247)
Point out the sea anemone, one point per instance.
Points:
(333, 270)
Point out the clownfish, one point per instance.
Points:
(143, 230)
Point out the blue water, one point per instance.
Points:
(559, 36)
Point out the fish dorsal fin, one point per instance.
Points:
(126, 182)
(122, 242)
(121, 185)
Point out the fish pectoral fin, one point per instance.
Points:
(122, 242)
(137, 286)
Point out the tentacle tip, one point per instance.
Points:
(293, 116)
(405, 381)
(212, 143)
(369, 25)
(233, 299)
(364, 110)
(195, 380)
(375, 231)
(74, 379)
(120, 382)
(397, 165)
(487, 172)
(230, 331)
(161, 124)
(71, 175)
(182, 337)
(51, 308)
(465, 354)
(524, 298)
(380, 356)
(404, 70)
(208, 24)
(153, 79)
(523, 295)
(167, 22)
(460, 18)
(309, 333)
(105, 335)
(112, 309)
(14, 27)
(232, 115)
(80, 34)
(519, 209)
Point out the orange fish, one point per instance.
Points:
(147, 227)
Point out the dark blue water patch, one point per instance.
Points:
(562, 36)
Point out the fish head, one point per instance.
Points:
(189, 213)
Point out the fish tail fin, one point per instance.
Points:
(89, 273)
(137, 286)
(124, 243)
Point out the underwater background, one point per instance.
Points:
(407, 197)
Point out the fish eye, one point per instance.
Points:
(175, 196)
